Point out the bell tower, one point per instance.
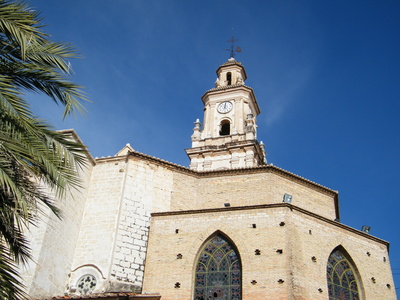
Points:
(228, 137)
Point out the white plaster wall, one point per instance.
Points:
(53, 243)
(97, 232)
(113, 238)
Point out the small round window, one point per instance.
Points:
(86, 284)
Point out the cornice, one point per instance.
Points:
(228, 172)
(147, 157)
(272, 206)
(225, 146)
(229, 87)
(231, 62)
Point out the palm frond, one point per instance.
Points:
(32, 61)
(36, 162)
(20, 24)
(11, 287)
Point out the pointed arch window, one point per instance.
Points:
(341, 277)
(218, 271)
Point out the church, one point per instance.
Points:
(230, 226)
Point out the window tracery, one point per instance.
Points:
(342, 281)
(86, 284)
(218, 271)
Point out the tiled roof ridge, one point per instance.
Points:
(145, 156)
(232, 62)
(243, 169)
(227, 87)
(272, 166)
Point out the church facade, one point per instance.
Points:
(228, 227)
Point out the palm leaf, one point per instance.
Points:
(11, 287)
(34, 159)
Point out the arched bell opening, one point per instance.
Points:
(229, 78)
(225, 128)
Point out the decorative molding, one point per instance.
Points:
(227, 172)
(271, 206)
(90, 266)
(230, 172)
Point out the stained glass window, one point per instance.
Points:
(218, 271)
(342, 282)
(86, 284)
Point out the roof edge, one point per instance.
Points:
(78, 139)
(274, 205)
(216, 173)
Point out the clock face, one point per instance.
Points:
(225, 107)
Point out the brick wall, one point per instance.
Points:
(261, 186)
(148, 188)
(302, 277)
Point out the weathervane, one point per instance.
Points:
(233, 49)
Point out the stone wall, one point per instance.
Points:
(148, 188)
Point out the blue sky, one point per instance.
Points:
(325, 73)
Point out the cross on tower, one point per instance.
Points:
(233, 49)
